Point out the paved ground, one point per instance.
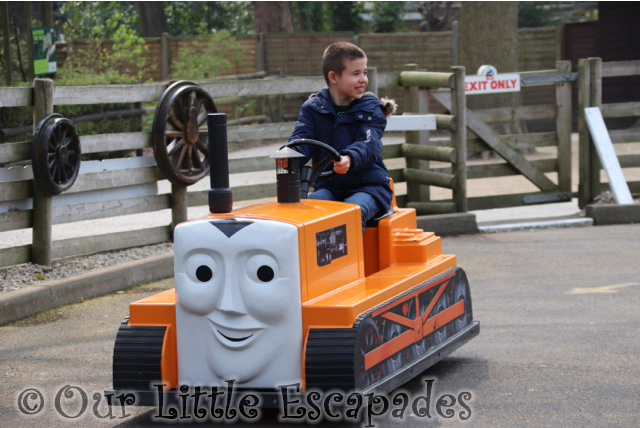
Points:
(558, 346)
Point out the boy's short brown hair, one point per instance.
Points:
(334, 56)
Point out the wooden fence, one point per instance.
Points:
(592, 71)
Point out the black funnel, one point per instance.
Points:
(220, 197)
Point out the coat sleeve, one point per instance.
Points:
(368, 144)
(304, 129)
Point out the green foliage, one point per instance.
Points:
(533, 14)
(309, 16)
(201, 18)
(91, 24)
(387, 16)
(199, 62)
(345, 15)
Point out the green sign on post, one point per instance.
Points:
(44, 51)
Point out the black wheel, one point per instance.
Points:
(309, 175)
(368, 339)
(179, 132)
(55, 154)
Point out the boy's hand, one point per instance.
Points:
(343, 165)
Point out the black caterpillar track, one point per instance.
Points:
(137, 357)
(335, 358)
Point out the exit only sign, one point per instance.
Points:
(488, 81)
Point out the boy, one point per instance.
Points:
(352, 122)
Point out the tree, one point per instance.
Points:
(152, 18)
(387, 16)
(273, 17)
(489, 35)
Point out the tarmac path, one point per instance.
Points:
(558, 345)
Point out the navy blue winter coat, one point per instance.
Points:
(356, 133)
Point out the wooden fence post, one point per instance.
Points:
(417, 101)
(589, 95)
(459, 138)
(165, 57)
(41, 222)
(373, 80)
(595, 97)
(179, 205)
(6, 42)
(261, 54)
(563, 127)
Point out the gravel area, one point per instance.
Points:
(21, 276)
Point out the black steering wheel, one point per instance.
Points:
(309, 174)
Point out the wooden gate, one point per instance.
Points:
(543, 158)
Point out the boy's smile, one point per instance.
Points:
(351, 83)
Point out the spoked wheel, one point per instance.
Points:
(56, 154)
(179, 133)
(368, 339)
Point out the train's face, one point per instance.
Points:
(238, 311)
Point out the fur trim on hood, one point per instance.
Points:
(389, 106)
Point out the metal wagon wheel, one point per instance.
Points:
(179, 143)
(55, 154)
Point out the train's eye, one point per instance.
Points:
(204, 273)
(200, 268)
(262, 268)
(265, 273)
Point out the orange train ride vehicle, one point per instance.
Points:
(291, 292)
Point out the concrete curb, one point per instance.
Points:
(19, 304)
(535, 224)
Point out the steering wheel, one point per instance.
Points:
(309, 174)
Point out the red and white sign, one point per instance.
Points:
(488, 81)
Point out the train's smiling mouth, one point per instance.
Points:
(234, 339)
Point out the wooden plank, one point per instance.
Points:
(106, 209)
(630, 135)
(621, 109)
(100, 143)
(105, 94)
(534, 139)
(16, 97)
(432, 207)
(620, 68)
(506, 114)
(242, 165)
(263, 131)
(117, 178)
(493, 140)
(505, 169)
(607, 155)
(110, 242)
(259, 87)
(430, 178)
(15, 220)
(15, 255)
(12, 190)
(442, 154)
(15, 152)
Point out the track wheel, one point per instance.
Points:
(368, 339)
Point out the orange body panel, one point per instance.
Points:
(393, 258)
(160, 310)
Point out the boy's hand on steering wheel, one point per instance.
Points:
(343, 165)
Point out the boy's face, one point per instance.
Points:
(351, 83)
